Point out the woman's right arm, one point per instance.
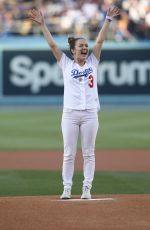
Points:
(37, 16)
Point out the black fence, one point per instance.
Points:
(36, 73)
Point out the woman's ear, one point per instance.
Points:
(72, 51)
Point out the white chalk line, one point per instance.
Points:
(84, 200)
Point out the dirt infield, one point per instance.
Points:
(106, 160)
(123, 212)
(104, 212)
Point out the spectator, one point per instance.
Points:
(77, 17)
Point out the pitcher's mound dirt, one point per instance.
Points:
(122, 212)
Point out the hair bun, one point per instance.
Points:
(70, 39)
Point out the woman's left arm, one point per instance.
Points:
(112, 12)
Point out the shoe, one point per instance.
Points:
(86, 193)
(66, 194)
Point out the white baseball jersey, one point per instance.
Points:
(80, 83)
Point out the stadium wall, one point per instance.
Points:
(29, 73)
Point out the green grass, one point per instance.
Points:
(33, 183)
(41, 130)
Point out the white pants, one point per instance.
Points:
(85, 123)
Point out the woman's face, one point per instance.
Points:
(81, 49)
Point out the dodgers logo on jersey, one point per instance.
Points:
(75, 73)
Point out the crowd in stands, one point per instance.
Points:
(77, 17)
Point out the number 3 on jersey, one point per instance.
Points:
(91, 81)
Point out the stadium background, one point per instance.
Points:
(31, 90)
(29, 73)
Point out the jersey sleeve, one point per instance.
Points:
(63, 61)
(93, 60)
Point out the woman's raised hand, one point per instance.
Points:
(113, 11)
(36, 15)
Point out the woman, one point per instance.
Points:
(81, 102)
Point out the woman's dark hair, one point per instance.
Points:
(72, 42)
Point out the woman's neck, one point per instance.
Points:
(80, 62)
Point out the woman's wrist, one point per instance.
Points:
(109, 18)
(42, 25)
